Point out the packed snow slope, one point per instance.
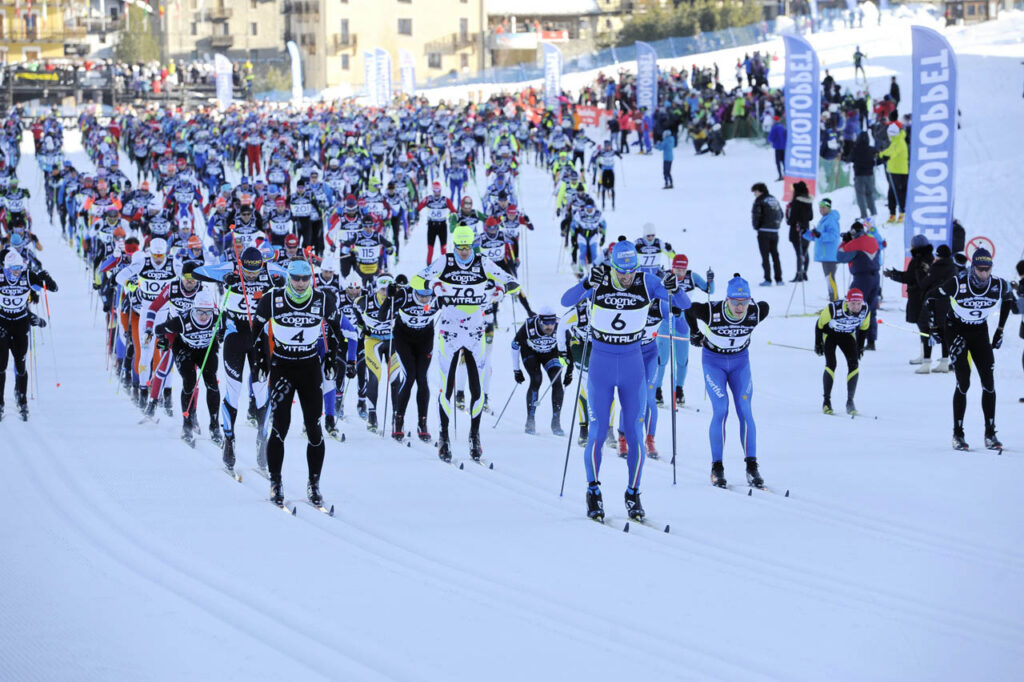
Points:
(127, 555)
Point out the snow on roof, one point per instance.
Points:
(533, 8)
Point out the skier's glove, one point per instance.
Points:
(819, 348)
(935, 335)
(696, 340)
(518, 374)
(997, 338)
(162, 343)
(568, 375)
(710, 276)
(330, 371)
(38, 321)
(670, 282)
(350, 370)
(889, 272)
(231, 278)
(598, 273)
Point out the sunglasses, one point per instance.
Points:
(298, 278)
(981, 268)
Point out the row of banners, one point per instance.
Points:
(377, 75)
(930, 184)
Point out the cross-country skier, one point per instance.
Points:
(847, 325)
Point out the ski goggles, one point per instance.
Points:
(302, 279)
(202, 315)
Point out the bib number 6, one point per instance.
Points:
(618, 324)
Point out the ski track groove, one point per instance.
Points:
(305, 646)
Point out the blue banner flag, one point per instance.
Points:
(803, 109)
(383, 64)
(552, 75)
(646, 76)
(930, 185)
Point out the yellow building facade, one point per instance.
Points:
(30, 31)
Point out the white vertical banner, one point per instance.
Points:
(407, 70)
(370, 75)
(383, 64)
(293, 52)
(646, 77)
(222, 67)
(552, 75)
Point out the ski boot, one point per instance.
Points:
(444, 447)
(168, 402)
(228, 453)
(398, 428)
(581, 440)
(150, 410)
(633, 506)
(1, 413)
(826, 406)
(339, 407)
(422, 431)
(680, 398)
(476, 451)
(623, 446)
(718, 474)
(658, 398)
(958, 441)
(652, 450)
(23, 412)
(531, 424)
(215, 434)
(991, 442)
(556, 425)
(942, 366)
(276, 493)
(313, 491)
(139, 396)
(595, 505)
(361, 408)
(330, 426)
(925, 368)
(460, 400)
(487, 407)
(851, 409)
(753, 475)
(371, 421)
(261, 455)
(188, 436)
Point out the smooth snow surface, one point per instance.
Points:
(129, 556)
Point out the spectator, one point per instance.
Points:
(667, 147)
(826, 244)
(799, 213)
(898, 168)
(864, 175)
(777, 138)
(766, 216)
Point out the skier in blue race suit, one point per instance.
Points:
(724, 329)
(620, 299)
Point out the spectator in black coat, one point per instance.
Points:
(894, 92)
(933, 318)
(766, 216)
(914, 276)
(864, 159)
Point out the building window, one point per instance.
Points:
(464, 61)
(434, 60)
(405, 2)
(970, 10)
(226, 29)
(252, 4)
(254, 27)
(463, 30)
(344, 62)
(405, 27)
(193, 29)
(344, 32)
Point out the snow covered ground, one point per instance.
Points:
(126, 555)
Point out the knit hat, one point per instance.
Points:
(854, 294)
(680, 262)
(738, 288)
(981, 258)
(825, 202)
(893, 130)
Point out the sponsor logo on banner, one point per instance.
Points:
(646, 77)
(552, 75)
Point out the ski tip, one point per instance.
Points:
(408, 444)
(750, 492)
(343, 438)
(625, 529)
(491, 465)
(460, 466)
(330, 512)
(667, 527)
(787, 493)
(293, 510)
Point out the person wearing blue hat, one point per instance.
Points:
(620, 298)
(973, 296)
(723, 328)
(306, 332)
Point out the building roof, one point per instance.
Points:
(542, 8)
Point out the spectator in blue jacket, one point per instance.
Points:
(826, 244)
(777, 138)
(667, 147)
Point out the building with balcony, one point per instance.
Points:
(443, 36)
(30, 31)
(241, 29)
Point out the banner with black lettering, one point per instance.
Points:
(930, 185)
(646, 77)
(803, 109)
(552, 75)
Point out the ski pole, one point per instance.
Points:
(902, 328)
(584, 366)
(672, 377)
(551, 383)
(209, 346)
(387, 387)
(506, 406)
(49, 322)
(783, 345)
